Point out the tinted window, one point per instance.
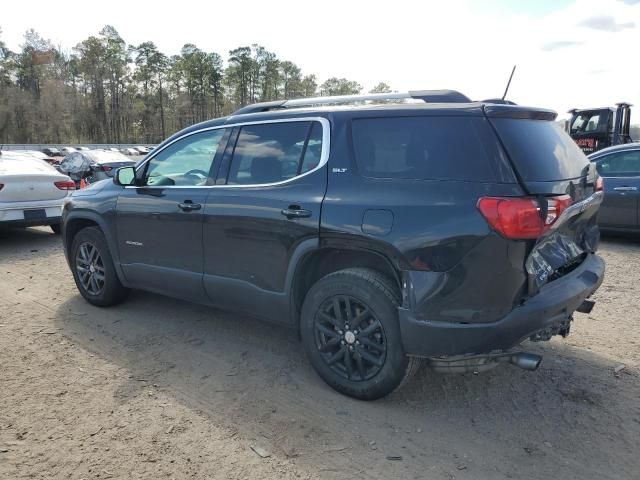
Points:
(541, 150)
(313, 149)
(269, 153)
(622, 164)
(439, 148)
(186, 162)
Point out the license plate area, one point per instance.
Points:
(36, 214)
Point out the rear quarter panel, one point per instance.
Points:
(459, 269)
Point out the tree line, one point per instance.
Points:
(106, 91)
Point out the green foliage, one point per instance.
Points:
(340, 86)
(381, 88)
(108, 91)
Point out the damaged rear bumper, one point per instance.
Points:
(550, 310)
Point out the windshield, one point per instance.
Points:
(586, 122)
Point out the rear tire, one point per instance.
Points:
(56, 228)
(93, 270)
(349, 329)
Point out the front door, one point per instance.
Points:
(159, 223)
(621, 175)
(263, 211)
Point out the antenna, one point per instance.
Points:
(509, 83)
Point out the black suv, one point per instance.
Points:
(386, 228)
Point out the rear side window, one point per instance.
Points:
(621, 164)
(540, 150)
(427, 148)
(313, 149)
(274, 152)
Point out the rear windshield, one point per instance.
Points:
(428, 148)
(540, 150)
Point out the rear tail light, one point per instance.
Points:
(65, 185)
(520, 218)
(599, 186)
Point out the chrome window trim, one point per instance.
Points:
(597, 158)
(324, 155)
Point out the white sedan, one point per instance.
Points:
(31, 192)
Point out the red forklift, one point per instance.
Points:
(596, 128)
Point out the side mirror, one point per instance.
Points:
(125, 176)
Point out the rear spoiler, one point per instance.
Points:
(517, 111)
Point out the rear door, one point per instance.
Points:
(621, 173)
(263, 210)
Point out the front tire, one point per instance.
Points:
(349, 328)
(93, 269)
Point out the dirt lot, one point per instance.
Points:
(158, 388)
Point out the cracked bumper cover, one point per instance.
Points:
(552, 305)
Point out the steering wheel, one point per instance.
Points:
(197, 172)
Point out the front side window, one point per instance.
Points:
(186, 162)
(621, 164)
(275, 152)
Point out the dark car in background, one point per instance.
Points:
(441, 229)
(142, 150)
(619, 168)
(89, 166)
(52, 152)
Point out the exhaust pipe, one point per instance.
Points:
(526, 361)
(481, 363)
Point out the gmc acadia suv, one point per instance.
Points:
(431, 228)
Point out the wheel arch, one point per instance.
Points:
(74, 222)
(322, 261)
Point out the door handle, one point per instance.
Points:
(626, 189)
(189, 206)
(294, 211)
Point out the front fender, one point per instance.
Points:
(83, 211)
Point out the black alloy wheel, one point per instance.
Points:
(94, 270)
(349, 329)
(350, 338)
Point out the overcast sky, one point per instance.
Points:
(580, 53)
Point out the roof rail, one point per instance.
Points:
(498, 101)
(429, 96)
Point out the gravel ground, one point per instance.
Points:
(158, 388)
